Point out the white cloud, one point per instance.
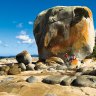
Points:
(24, 38)
(20, 25)
(30, 22)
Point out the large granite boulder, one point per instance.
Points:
(64, 29)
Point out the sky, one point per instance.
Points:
(17, 20)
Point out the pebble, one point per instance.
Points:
(31, 79)
(30, 67)
(22, 66)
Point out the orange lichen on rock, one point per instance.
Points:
(74, 62)
(81, 37)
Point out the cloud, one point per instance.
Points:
(20, 25)
(24, 38)
(30, 22)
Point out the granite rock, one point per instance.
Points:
(64, 29)
(24, 57)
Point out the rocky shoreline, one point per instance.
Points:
(64, 36)
(52, 79)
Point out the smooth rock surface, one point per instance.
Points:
(22, 66)
(30, 66)
(31, 79)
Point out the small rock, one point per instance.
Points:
(31, 79)
(40, 66)
(85, 81)
(22, 66)
(24, 57)
(68, 80)
(14, 70)
(52, 63)
(53, 79)
(55, 59)
(30, 67)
